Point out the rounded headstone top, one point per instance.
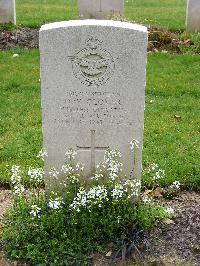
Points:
(93, 22)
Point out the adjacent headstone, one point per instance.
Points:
(193, 15)
(100, 9)
(93, 90)
(7, 11)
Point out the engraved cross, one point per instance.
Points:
(92, 148)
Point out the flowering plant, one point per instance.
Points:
(62, 226)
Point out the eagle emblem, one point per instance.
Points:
(93, 65)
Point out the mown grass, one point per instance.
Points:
(20, 116)
(35, 13)
(172, 126)
(166, 13)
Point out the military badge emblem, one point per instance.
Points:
(93, 65)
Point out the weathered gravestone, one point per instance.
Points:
(93, 90)
(100, 9)
(7, 11)
(193, 15)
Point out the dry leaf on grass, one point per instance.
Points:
(158, 192)
(178, 117)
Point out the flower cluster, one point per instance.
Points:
(55, 201)
(42, 154)
(53, 173)
(80, 200)
(100, 194)
(72, 172)
(97, 176)
(118, 191)
(36, 175)
(114, 190)
(16, 179)
(152, 167)
(155, 172)
(147, 199)
(19, 189)
(35, 211)
(111, 164)
(70, 154)
(132, 187)
(95, 196)
(175, 185)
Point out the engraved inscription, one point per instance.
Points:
(93, 65)
(93, 108)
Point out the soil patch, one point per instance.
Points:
(24, 38)
(178, 243)
(159, 39)
(173, 242)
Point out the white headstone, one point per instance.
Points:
(193, 15)
(93, 89)
(100, 9)
(7, 11)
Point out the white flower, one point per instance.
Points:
(118, 191)
(70, 154)
(97, 195)
(112, 176)
(132, 187)
(35, 211)
(147, 199)
(134, 143)
(169, 210)
(175, 185)
(73, 178)
(15, 179)
(152, 167)
(36, 174)
(79, 167)
(159, 174)
(80, 200)
(16, 170)
(42, 154)
(19, 189)
(67, 169)
(70, 172)
(55, 203)
(112, 155)
(53, 173)
(97, 176)
(111, 163)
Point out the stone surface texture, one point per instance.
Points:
(100, 9)
(7, 11)
(93, 90)
(193, 15)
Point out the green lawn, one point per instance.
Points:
(172, 89)
(20, 117)
(167, 13)
(35, 13)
